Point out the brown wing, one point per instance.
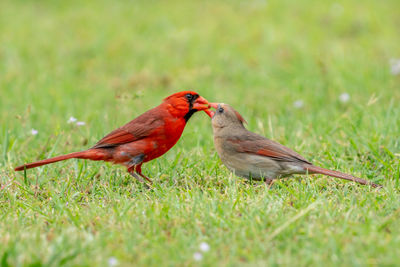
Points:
(139, 128)
(259, 145)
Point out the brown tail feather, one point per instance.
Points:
(87, 154)
(316, 169)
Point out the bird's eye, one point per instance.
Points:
(220, 110)
(189, 97)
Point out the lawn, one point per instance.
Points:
(317, 76)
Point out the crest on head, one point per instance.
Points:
(182, 95)
(239, 117)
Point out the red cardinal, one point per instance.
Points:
(147, 137)
(253, 156)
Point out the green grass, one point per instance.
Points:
(107, 62)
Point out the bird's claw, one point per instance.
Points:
(137, 177)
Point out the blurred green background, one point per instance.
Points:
(322, 77)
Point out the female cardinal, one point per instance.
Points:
(147, 137)
(253, 156)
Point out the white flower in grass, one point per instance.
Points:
(395, 66)
(197, 256)
(298, 104)
(112, 261)
(80, 123)
(72, 119)
(34, 132)
(204, 247)
(345, 97)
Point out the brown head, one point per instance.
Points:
(226, 118)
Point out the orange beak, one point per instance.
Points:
(201, 104)
(213, 105)
(209, 112)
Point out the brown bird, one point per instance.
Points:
(253, 156)
(143, 139)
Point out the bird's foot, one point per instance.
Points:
(147, 178)
(269, 182)
(137, 177)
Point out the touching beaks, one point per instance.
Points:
(214, 105)
(209, 112)
(201, 104)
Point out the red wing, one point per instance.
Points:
(139, 128)
(116, 137)
(262, 146)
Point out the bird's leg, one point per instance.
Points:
(134, 168)
(138, 169)
(132, 172)
(269, 182)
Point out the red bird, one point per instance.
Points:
(147, 137)
(253, 156)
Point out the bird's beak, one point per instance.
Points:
(209, 112)
(202, 104)
(214, 105)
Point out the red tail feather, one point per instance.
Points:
(87, 154)
(315, 169)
